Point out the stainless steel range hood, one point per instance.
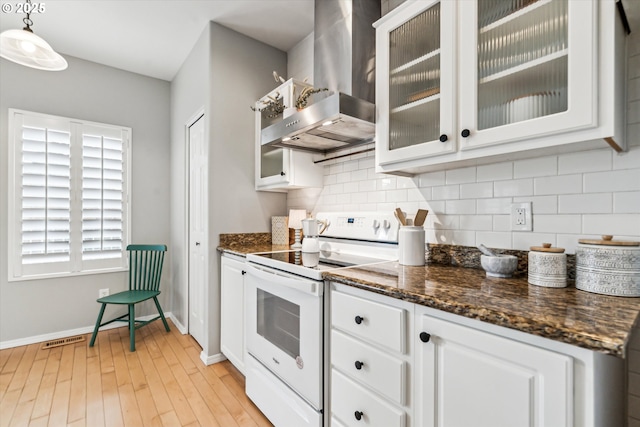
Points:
(344, 62)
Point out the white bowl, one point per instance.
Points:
(499, 266)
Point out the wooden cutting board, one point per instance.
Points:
(608, 240)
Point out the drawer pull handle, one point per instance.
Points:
(425, 337)
(358, 415)
(359, 319)
(359, 365)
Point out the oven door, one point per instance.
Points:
(284, 328)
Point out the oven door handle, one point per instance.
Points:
(293, 282)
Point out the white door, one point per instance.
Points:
(197, 229)
(471, 378)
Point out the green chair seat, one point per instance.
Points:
(145, 271)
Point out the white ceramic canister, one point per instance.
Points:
(547, 266)
(411, 249)
(608, 267)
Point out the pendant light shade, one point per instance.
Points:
(25, 48)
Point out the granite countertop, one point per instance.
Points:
(242, 244)
(596, 322)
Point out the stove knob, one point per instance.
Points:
(386, 224)
(376, 224)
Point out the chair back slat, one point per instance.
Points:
(145, 266)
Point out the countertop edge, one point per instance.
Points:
(514, 322)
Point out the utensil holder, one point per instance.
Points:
(411, 241)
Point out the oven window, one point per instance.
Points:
(279, 322)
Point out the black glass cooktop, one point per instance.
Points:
(326, 259)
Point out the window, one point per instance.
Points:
(68, 196)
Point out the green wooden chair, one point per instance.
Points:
(145, 269)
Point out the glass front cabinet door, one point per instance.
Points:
(415, 77)
(460, 80)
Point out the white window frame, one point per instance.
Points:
(76, 266)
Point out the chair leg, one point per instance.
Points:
(166, 325)
(132, 327)
(95, 330)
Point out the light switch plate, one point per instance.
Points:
(521, 218)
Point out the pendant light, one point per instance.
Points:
(25, 48)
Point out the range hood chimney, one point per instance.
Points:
(344, 62)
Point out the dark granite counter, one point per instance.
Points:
(242, 244)
(596, 322)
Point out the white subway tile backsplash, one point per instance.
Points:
(494, 206)
(397, 196)
(565, 184)
(385, 207)
(529, 168)
(359, 197)
(386, 183)
(568, 241)
(460, 176)
(557, 223)
(446, 192)
(493, 239)
(366, 163)
(501, 222)
(406, 182)
(335, 188)
(587, 161)
(350, 165)
(431, 179)
(524, 240)
(460, 206)
(376, 197)
(628, 160)
(494, 172)
(585, 203)
(540, 204)
(359, 175)
(476, 191)
(418, 194)
(616, 224)
(343, 177)
(461, 237)
(476, 222)
(514, 187)
(329, 179)
(335, 169)
(441, 221)
(627, 202)
(343, 198)
(351, 187)
(367, 185)
(618, 180)
(435, 207)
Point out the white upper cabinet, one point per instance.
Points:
(461, 80)
(281, 169)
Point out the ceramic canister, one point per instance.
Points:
(411, 250)
(547, 266)
(608, 267)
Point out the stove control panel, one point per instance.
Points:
(372, 226)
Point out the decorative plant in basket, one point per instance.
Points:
(273, 107)
(303, 98)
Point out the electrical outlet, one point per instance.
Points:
(521, 218)
(103, 293)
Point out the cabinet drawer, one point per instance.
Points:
(371, 321)
(382, 372)
(349, 399)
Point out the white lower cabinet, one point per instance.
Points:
(471, 378)
(370, 359)
(232, 342)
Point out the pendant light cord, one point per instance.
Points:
(27, 21)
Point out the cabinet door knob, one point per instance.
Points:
(359, 319)
(443, 138)
(425, 337)
(465, 133)
(358, 415)
(197, 243)
(244, 272)
(359, 365)
(282, 173)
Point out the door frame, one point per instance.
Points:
(200, 113)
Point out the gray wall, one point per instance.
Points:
(237, 73)
(94, 92)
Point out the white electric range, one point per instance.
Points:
(286, 311)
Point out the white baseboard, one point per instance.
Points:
(210, 360)
(72, 332)
(183, 330)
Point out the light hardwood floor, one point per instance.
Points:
(162, 383)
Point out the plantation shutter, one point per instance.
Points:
(102, 196)
(68, 196)
(46, 194)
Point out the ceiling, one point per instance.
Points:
(154, 37)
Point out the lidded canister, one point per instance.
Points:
(547, 266)
(607, 266)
